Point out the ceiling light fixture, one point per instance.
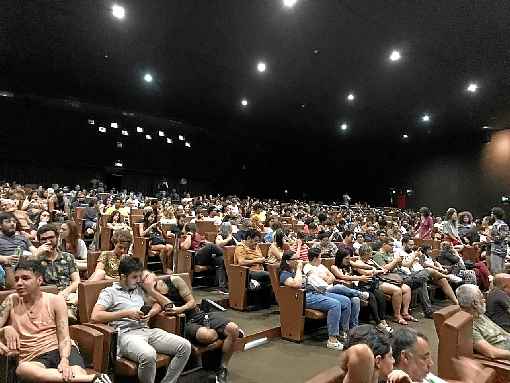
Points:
(161, 133)
(147, 77)
(148, 137)
(344, 126)
(125, 133)
(169, 141)
(244, 102)
(114, 125)
(395, 55)
(425, 118)
(181, 137)
(472, 87)
(261, 66)
(139, 129)
(405, 136)
(91, 122)
(486, 127)
(118, 11)
(118, 164)
(102, 129)
(289, 3)
(187, 144)
(351, 97)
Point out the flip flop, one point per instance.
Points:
(410, 318)
(400, 321)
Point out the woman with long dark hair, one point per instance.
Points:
(157, 239)
(275, 252)
(71, 242)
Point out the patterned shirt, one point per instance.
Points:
(487, 330)
(58, 271)
(111, 263)
(500, 236)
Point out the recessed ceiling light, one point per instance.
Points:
(139, 129)
(244, 102)
(425, 118)
(316, 51)
(114, 125)
(395, 55)
(118, 164)
(147, 77)
(405, 136)
(148, 137)
(486, 127)
(161, 133)
(187, 144)
(181, 137)
(125, 133)
(102, 129)
(4, 93)
(344, 126)
(91, 122)
(350, 97)
(119, 145)
(169, 141)
(472, 87)
(261, 66)
(118, 11)
(289, 3)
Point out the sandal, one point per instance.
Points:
(400, 321)
(410, 318)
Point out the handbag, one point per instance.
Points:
(392, 278)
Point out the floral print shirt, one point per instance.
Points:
(58, 271)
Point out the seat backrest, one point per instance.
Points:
(134, 218)
(228, 256)
(136, 212)
(328, 262)
(88, 292)
(47, 289)
(211, 236)
(298, 227)
(455, 340)
(92, 257)
(273, 270)
(79, 213)
(470, 254)
(206, 226)
(441, 315)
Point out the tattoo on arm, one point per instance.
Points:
(5, 308)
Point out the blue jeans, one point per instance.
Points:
(354, 295)
(337, 307)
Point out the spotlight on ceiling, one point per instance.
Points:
(147, 77)
(125, 133)
(91, 122)
(351, 97)
(289, 3)
(119, 145)
(169, 141)
(4, 93)
(261, 66)
(118, 164)
(148, 137)
(486, 127)
(472, 87)
(187, 144)
(425, 118)
(114, 125)
(344, 126)
(244, 102)
(395, 55)
(405, 136)
(102, 129)
(118, 11)
(181, 137)
(161, 133)
(139, 129)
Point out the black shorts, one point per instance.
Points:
(216, 322)
(52, 359)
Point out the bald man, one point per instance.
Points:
(498, 301)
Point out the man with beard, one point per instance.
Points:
(9, 244)
(488, 338)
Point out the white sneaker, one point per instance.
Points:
(335, 345)
(365, 295)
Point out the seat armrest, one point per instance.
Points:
(165, 322)
(237, 285)
(90, 343)
(109, 344)
(292, 297)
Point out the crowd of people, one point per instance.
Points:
(374, 259)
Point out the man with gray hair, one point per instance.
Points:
(488, 338)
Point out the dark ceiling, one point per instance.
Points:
(203, 55)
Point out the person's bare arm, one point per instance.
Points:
(186, 244)
(73, 286)
(5, 309)
(485, 348)
(297, 281)
(409, 261)
(64, 340)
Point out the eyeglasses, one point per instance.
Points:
(46, 238)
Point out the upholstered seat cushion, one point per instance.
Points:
(126, 367)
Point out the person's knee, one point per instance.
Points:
(206, 335)
(355, 302)
(25, 371)
(184, 349)
(147, 356)
(232, 330)
(406, 289)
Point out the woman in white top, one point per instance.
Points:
(70, 242)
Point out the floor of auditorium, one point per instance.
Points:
(280, 359)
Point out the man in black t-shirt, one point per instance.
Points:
(498, 301)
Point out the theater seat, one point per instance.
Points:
(314, 314)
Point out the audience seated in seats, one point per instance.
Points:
(46, 353)
(360, 240)
(498, 301)
(451, 260)
(157, 239)
(275, 252)
(43, 219)
(337, 308)
(344, 272)
(346, 243)
(168, 217)
(321, 278)
(425, 225)
(300, 247)
(70, 241)
(9, 244)
(465, 226)
(121, 306)
(59, 267)
(117, 221)
(248, 254)
(489, 339)
(413, 269)
(326, 247)
(400, 292)
(107, 266)
(201, 328)
(500, 238)
(213, 215)
(224, 237)
(206, 253)
(274, 225)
